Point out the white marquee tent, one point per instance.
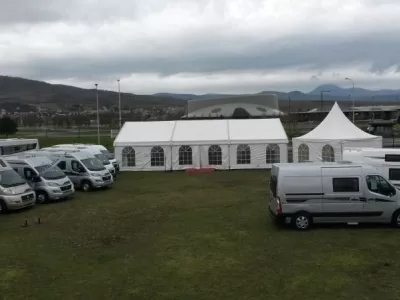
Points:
(327, 140)
(221, 144)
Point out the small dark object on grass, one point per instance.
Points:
(25, 223)
(386, 264)
(39, 221)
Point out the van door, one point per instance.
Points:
(381, 200)
(343, 199)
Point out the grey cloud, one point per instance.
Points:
(306, 52)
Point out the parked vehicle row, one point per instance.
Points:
(54, 173)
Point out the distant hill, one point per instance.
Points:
(335, 93)
(19, 91)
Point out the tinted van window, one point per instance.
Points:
(342, 185)
(394, 174)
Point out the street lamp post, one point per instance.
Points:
(119, 103)
(352, 94)
(98, 117)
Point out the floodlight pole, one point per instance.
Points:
(352, 94)
(119, 103)
(322, 102)
(98, 117)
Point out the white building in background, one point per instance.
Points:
(219, 144)
(251, 106)
(327, 141)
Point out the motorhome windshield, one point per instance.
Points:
(93, 164)
(50, 172)
(10, 178)
(103, 159)
(108, 154)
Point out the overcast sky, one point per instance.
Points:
(202, 46)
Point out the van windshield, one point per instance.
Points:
(93, 164)
(103, 159)
(108, 154)
(10, 178)
(50, 172)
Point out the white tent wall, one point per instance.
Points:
(315, 148)
(176, 159)
(142, 160)
(258, 156)
(204, 161)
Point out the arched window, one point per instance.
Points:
(328, 154)
(214, 155)
(185, 156)
(128, 157)
(243, 156)
(157, 157)
(303, 153)
(273, 154)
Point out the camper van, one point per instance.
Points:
(15, 193)
(85, 171)
(385, 160)
(47, 180)
(307, 193)
(13, 146)
(100, 148)
(96, 152)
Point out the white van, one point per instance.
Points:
(385, 160)
(16, 145)
(101, 148)
(343, 192)
(96, 152)
(84, 170)
(15, 193)
(47, 180)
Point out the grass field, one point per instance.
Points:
(181, 236)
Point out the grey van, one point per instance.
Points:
(307, 193)
(15, 193)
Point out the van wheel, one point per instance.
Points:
(86, 186)
(3, 207)
(301, 221)
(41, 197)
(396, 219)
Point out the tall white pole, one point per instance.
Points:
(98, 117)
(119, 104)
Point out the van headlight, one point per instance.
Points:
(53, 184)
(9, 191)
(95, 174)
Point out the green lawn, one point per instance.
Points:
(188, 236)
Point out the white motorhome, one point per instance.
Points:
(15, 193)
(84, 170)
(48, 181)
(96, 152)
(13, 146)
(343, 192)
(385, 160)
(101, 148)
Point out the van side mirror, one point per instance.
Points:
(36, 179)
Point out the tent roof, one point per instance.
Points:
(200, 132)
(145, 133)
(257, 131)
(336, 126)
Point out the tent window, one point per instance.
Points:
(128, 157)
(304, 153)
(185, 156)
(215, 155)
(157, 157)
(243, 156)
(273, 154)
(328, 154)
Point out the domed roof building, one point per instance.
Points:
(235, 107)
